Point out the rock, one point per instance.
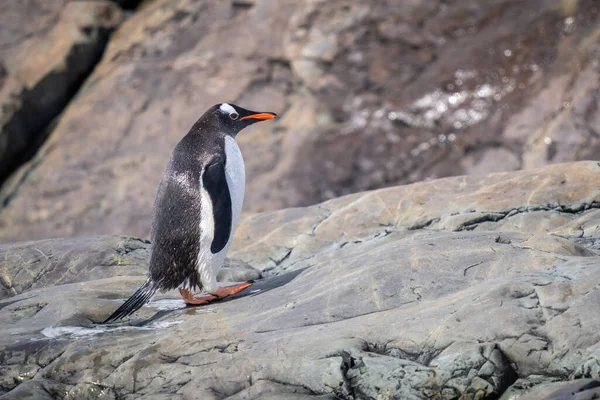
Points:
(454, 288)
(524, 385)
(17, 36)
(43, 72)
(30, 265)
(533, 202)
(370, 94)
(576, 390)
(466, 369)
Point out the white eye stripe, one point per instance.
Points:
(228, 109)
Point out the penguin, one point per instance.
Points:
(196, 210)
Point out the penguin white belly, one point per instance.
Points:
(235, 173)
(209, 264)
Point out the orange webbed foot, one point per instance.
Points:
(220, 293)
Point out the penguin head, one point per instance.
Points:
(233, 118)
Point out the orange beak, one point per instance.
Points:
(260, 116)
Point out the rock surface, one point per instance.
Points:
(463, 286)
(581, 389)
(30, 265)
(371, 94)
(47, 50)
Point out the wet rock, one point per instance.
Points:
(370, 94)
(44, 71)
(375, 295)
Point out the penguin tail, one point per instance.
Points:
(142, 296)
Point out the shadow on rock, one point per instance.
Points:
(259, 287)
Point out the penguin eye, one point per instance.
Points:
(234, 116)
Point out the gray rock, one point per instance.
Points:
(525, 385)
(31, 265)
(582, 389)
(376, 295)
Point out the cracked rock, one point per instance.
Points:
(361, 304)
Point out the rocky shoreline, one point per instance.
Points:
(480, 287)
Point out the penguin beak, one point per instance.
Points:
(260, 116)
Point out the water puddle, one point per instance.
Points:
(162, 305)
(76, 332)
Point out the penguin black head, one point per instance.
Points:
(232, 118)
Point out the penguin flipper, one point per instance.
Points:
(142, 296)
(214, 181)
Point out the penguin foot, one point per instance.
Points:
(196, 300)
(221, 292)
(228, 291)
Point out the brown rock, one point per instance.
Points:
(21, 23)
(44, 71)
(371, 94)
(380, 295)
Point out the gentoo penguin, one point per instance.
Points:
(196, 211)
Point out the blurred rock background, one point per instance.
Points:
(95, 94)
